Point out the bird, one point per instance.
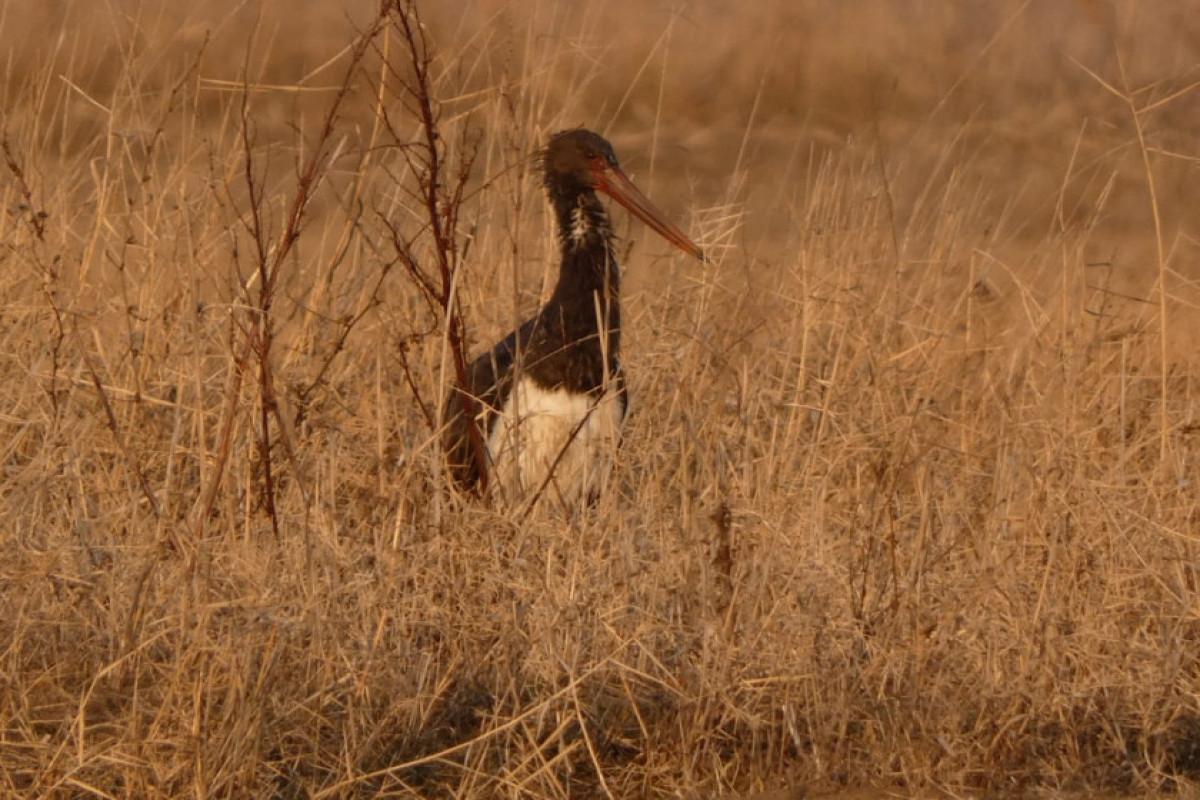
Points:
(542, 410)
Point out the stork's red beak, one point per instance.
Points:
(616, 184)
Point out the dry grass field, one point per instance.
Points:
(908, 498)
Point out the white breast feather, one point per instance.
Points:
(538, 430)
(580, 226)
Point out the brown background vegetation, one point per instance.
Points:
(908, 498)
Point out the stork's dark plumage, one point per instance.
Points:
(549, 399)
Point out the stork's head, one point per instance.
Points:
(579, 160)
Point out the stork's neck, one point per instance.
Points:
(589, 274)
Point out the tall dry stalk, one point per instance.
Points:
(270, 254)
(441, 187)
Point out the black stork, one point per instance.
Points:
(549, 400)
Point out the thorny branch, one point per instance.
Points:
(270, 254)
(441, 192)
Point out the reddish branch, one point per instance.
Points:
(441, 208)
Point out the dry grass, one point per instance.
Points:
(909, 493)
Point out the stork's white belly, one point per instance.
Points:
(541, 431)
